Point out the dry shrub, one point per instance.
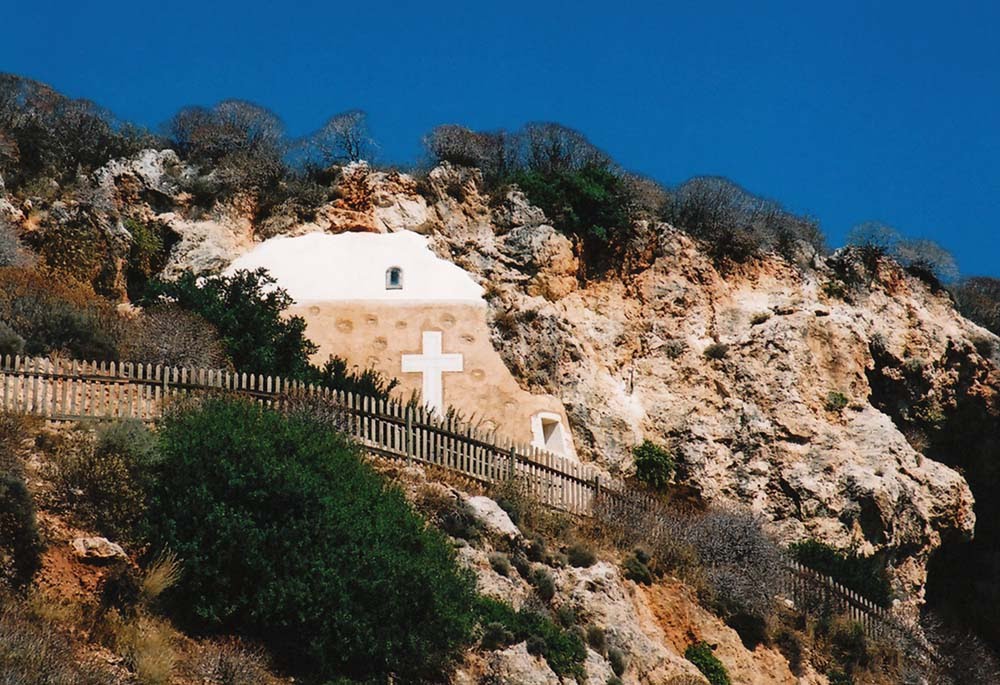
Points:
(230, 662)
(15, 430)
(147, 645)
(525, 510)
(168, 335)
(53, 312)
(34, 652)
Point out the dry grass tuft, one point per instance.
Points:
(230, 662)
(147, 645)
(161, 575)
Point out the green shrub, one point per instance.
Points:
(247, 311)
(597, 639)
(146, 256)
(496, 636)
(614, 680)
(637, 570)
(590, 203)
(500, 564)
(716, 351)
(839, 678)
(835, 401)
(865, 575)
(581, 556)
(346, 580)
(654, 465)
(106, 479)
(619, 663)
(702, 656)
(562, 649)
(20, 545)
(10, 342)
(545, 586)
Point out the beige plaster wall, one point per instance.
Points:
(375, 334)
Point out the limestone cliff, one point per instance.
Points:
(777, 389)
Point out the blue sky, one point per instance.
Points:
(847, 111)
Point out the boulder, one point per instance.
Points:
(97, 550)
(493, 518)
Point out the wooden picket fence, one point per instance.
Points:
(72, 391)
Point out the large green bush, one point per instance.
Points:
(865, 575)
(590, 203)
(289, 538)
(246, 309)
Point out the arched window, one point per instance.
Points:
(393, 278)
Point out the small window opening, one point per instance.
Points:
(394, 278)
(547, 429)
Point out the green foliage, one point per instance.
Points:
(146, 256)
(562, 649)
(590, 203)
(636, 569)
(288, 537)
(500, 564)
(703, 657)
(335, 374)
(246, 309)
(545, 586)
(835, 401)
(106, 480)
(20, 545)
(619, 663)
(597, 639)
(580, 555)
(654, 465)
(839, 678)
(865, 575)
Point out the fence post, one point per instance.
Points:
(409, 435)
(513, 461)
(597, 492)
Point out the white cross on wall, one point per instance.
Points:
(432, 364)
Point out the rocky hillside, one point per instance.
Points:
(838, 408)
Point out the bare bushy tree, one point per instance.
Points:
(343, 138)
(551, 147)
(166, 334)
(926, 259)
(45, 134)
(495, 153)
(978, 298)
(243, 141)
(963, 656)
(736, 224)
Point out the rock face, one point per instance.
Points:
(776, 389)
(783, 422)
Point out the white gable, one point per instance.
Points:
(319, 267)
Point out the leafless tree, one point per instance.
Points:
(551, 147)
(926, 258)
(230, 127)
(495, 153)
(978, 298)
(343, 138)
